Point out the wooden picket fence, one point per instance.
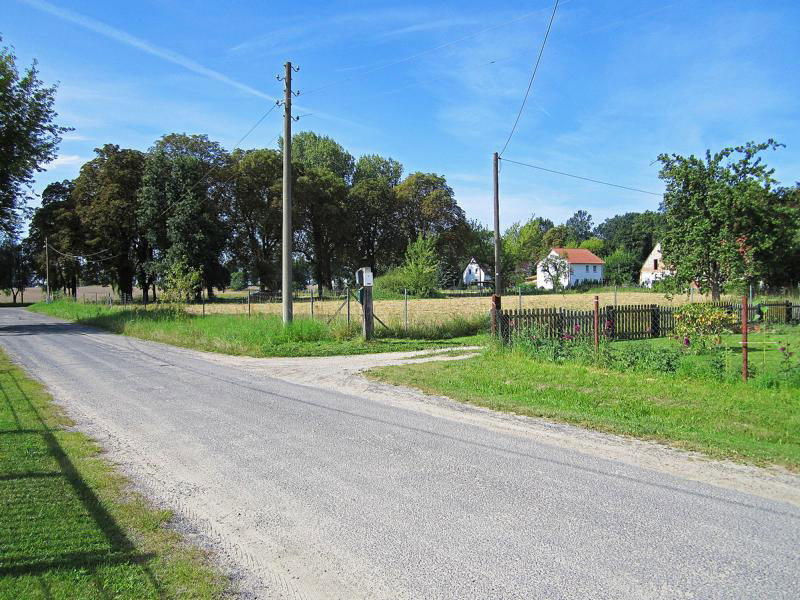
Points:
(625, 322)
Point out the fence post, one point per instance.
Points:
(203, 300)
(596, 325)
(744, 339)
(347, 291)
(655, 321)
(405, 306)
(248, 303)
(312, 303)
(496, 307)
(788, 312)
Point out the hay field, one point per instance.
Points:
(438, 310)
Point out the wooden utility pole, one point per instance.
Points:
(47, 265)
(286, 272)
(368, 324)
(498, 289)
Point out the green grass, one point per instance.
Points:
(69, 525)
(766, 360)
(261, 335)
(724, 420)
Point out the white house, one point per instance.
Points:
(653, 268)
(583, 264)
(474, 274)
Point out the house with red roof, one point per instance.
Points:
(579, 266)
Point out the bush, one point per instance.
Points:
(699, 326)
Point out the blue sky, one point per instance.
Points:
(434, 85)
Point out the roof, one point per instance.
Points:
(579, 256)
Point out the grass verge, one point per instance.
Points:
(262, 335)
(70, 527)
(723, 420)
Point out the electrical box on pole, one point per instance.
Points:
(364, 280)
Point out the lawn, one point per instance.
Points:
(263, 335)
(730, 420)
(69, 525)
(772, 350)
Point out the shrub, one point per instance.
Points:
(698, 326)
(180, 281)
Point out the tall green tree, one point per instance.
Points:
(29, 136)
(312, 150)
(16, 269)
(56, 222)
(721, 217)
(581, 225)
(560, 236)
(621, 267)
(106, 200)
(254, 214)
(182, 206)
(636, 232)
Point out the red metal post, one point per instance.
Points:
(744, 338)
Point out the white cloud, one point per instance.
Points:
(64, 160)
(129, 40)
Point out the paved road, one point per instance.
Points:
(315, 493)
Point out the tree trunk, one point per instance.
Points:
(714, 291)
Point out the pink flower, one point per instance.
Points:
(577, 328)
(686, 341)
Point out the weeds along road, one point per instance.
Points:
(313, 492)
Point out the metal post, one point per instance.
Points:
(248, 303)
(744, 338)
(312, 303)
(47, 265)
(286, 250)
(405, 306)
(203, 300)
(347, 291)
(596, 324)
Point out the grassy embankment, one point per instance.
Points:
(689, 408)
(263, 335)
(69, 525)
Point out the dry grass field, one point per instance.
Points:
(438, 310)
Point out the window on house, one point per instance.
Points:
(587, 268)
(594, 268)
(655, 264)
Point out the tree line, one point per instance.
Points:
(130, 218)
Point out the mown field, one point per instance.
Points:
(69, 525)
(263, 334)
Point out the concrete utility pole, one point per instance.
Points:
(286, 289)
(498, 289)
(47, 265)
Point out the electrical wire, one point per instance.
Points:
(533, 76)
(83, 256)
(213, 167)
(624, 187)
(423, 52)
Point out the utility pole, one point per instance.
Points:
(498, 289)
(286, 289)
(47, 265)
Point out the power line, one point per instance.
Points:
(83, 256)
(424, 52)
(624, 187)
(533, 76)
(213, 167)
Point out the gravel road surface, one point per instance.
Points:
(307, 484)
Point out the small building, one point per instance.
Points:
(653, 268)
(583, 265)
(475, 274)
